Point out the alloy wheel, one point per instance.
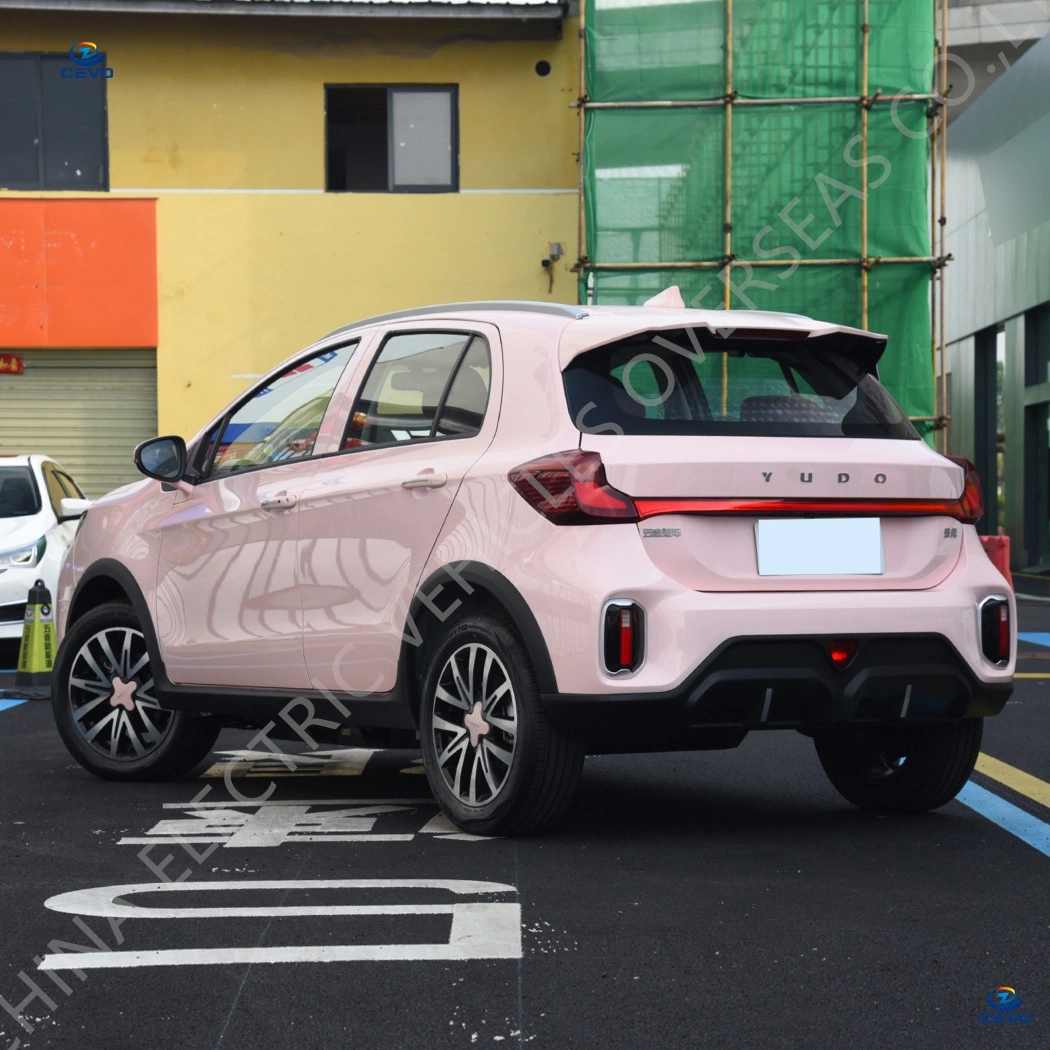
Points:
(475, 724)
(111, 696)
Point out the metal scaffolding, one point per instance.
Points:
(729, 102)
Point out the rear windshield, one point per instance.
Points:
(692, 383)
(19, 497)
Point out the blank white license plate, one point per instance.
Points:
(819, 547)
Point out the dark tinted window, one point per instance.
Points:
(668, 383)
(76, 155)
(464, 408)
(405, 387)
(390, 138)
(18, 493)
(19, 122)
(52, 128)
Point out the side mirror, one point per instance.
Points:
(163, 458)
(72, 508)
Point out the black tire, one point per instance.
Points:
(901, 770)
(152, 743)
(535, 787)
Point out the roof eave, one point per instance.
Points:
(430, 9)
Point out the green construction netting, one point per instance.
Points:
(655, 179)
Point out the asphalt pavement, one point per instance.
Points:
(717, 899)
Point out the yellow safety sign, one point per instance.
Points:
(36, 657)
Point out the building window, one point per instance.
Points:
(1037, 346)
(52, 128)
(392, 139)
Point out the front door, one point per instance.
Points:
(227, 603)
(373, 511)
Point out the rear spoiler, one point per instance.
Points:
(864, 347)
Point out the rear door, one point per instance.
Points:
(425, 412)
(745, 420)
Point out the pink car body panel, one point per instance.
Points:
(319, 596)
(364, 539)
(228, 610)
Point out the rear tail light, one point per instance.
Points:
(968, 508)
(995, 628)
(623, 641)
(569, 488)
(971, 502)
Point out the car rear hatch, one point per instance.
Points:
(769, 460)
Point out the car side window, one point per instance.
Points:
(464, 409)
(55, 492)
(280, 421)
(408, 393)
(69, 486)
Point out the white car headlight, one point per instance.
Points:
(24, 557)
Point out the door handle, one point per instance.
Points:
(425, 481)
(278, 502)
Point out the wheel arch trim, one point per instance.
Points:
(471, 577)
(118, 573)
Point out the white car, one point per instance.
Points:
(39, 508)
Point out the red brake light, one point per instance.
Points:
(841, 652)
(971, 502)
(569, 488)
(968, 508)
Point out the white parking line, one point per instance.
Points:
(337, 762)
(485, 929)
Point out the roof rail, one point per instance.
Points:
(574, 313)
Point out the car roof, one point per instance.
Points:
(482, 306)
(581, 328)
(34, 459)
(756, 318)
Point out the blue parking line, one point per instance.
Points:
(1035, 637)
(5, 704)
(1008, 816)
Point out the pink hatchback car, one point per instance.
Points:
(519, 533)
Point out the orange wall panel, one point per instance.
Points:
(78, 273)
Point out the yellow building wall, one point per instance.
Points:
(222, 120)
(245, 280)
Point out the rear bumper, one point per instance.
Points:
(786, 682)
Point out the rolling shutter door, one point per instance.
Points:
(86, 408)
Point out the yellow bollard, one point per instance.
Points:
(36, 656)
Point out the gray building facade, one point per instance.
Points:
(998, 301)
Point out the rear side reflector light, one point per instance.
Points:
(995, 629)
(622, 637)
(570, 488)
